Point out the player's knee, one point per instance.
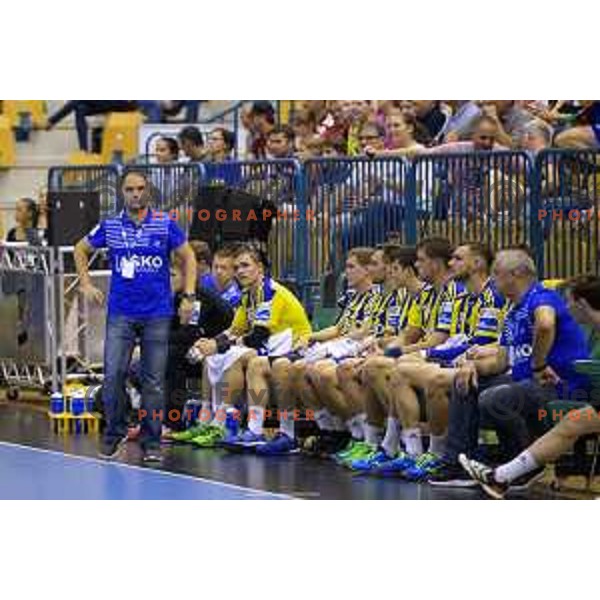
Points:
(258, 366)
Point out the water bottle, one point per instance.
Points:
(191, 411)
(57, 403)
(78, 403)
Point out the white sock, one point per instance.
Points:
(523, 464)
(206, 415)
(356, 427)
(373, 435)
(324, 420)
(391, 440)
(256, 418)
(411, 438)
(437, 444)
(220, 414)
(288, 425)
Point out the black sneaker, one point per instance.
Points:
(523, 483)
(152, 455)
(110, 450)
(450, 475)
(326, 444)
(484, 476)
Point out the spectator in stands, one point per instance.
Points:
(586, 133)
(511, 120)
(483, 138)
(460, 124)
(304, 128)
(400, 135)
(539, 344)
(371, 139)
(166, 150)
(537, 136)
(263, 122)
(430, 116)
(26, 218)
(221, 143)
(88, 108)
(192, 143)
(584, 304)
(280, 142)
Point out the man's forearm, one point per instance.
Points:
(543, 340)
(81, 254)
(491, 365)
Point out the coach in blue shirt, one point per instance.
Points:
(505, 389)
(140, 306)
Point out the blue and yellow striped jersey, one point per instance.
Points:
(391, 313)
(433, 309)
(479, 316)
(357, 311)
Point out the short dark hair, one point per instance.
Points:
(227, 251)
(191, 134)
(405, 256)
(586, 287)
(265, 109)
(137, 172)
(481, 250)
(283, 130)
(477, 121)
(201, 251)
(437, 247)
(171, 144)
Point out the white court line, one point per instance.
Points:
(146, 470)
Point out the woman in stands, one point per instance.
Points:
(26, 217)
(584, 303)
(166, 150)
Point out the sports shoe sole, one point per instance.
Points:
(115, 453)
(490, 490)
(456, 483)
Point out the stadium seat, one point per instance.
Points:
(84, 158)
(12, 109)
(7, 144)
(121, 136)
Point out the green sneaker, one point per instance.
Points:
(211, 437)
(342, 454)
(189, 434)
(360, 451)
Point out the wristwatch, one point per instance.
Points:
(188, 296)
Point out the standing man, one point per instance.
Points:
(140, 307)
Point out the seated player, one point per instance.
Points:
(289, 375)
(477, 318)
(506, 389)
(401, 290)
(429, 324)
(584, 304)
(222, 276)
(268, 322)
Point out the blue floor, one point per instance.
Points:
(34, 474)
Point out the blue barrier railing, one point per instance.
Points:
(324, 207)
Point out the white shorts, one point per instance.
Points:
(278, 344)
(335, 350)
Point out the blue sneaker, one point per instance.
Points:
(280, 444)
(395, 467)
(425, 466)
(244, 441)
(365, 465)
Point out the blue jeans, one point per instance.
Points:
(121, 335)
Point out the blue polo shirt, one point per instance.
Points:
(569, 345)
(148, 245)
(231, 294)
